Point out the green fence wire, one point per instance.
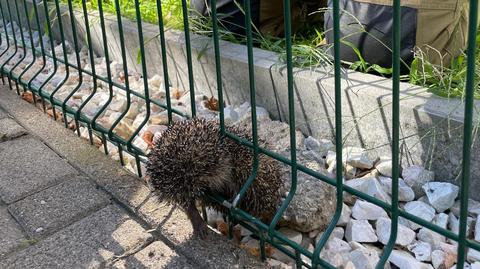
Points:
(48, 17)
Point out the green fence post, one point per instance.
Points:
(166, 80)
(467, 132)
(79, 69)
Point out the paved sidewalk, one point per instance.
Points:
(63, 204)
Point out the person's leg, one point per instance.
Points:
(271, 17)
(230, 13)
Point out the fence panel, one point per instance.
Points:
(22, 18)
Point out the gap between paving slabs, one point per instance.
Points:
(128, 190)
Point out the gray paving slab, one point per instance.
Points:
(29, 166)
(126, 188)
(214, 252)
(9, 129)
(156, 255)
(89, 243)
(11, 236)
(54, 208)
(2, 114)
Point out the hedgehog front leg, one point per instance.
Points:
(200, 227)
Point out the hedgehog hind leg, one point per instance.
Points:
(200, 228)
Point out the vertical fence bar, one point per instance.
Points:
(34, 58)
(2, 68)
(4, 25)
(76, 49)
(125, 72)
(145, 81)
(92, 64)
(251, 78)
(24, 48)
(463, 243)
(291, 119)
(467, 132)
(2, 39)
(109, 71)
(65, 57)
(91, 55)
(338, 137)
(163, 46)
(52, 50)
(6, 38)
(188, 47)
(395, 133)
(42, 49)
(218, 66)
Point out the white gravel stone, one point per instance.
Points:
(441, 220)
(477, 229)
(441, 195)
(156, 81)
(416, 176)
(421, 210)
(346, 215)
(405, 235)
(356, 157)
(337, 232)
(293, 235)
(338, 245)
(438, 258)
(349, 171)
(405, 192)
(119, 105)
(231, 115)
(334, 257)
(403, 260)
(473, 255)
(370, 186)
(473, 208)
(349, 265)
(364, 258)
(454, 223)
(360, 231)
(275, 264)
(331, 158)
(384, 166)
(156, 128)
(321, 146)
(363, 210)
(246, 115)
(431, 237)
(421, 250)
(312, 144)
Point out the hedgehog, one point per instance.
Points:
(191, 159)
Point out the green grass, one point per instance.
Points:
(443, 81)
(172, 10)
(308, 47)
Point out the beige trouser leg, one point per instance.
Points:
(271, 17)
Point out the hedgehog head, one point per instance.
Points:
(188, 160)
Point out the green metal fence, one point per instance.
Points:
(40, 16)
